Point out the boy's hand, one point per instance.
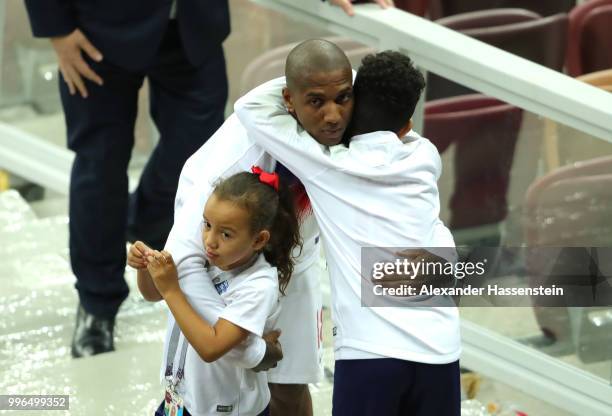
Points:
(162, 269)
(137, 255)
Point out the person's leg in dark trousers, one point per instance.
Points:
(187, 106)
(101, 133)
(370, 387)
(394, 387)
(436, 391)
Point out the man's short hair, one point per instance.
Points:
(312, 56)
(387, 89)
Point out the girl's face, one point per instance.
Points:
(227, 236)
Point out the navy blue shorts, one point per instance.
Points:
(391, 387)
(160, 411)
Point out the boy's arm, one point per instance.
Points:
(262, 112)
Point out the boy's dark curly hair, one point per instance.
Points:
(387, 89)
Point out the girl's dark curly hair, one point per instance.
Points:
(270, 210)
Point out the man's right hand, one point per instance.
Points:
(274, 352)
(71, 63)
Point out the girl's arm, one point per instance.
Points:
(147, 287)
(137, 258)
(210, 342)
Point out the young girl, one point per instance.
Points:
(249, 226)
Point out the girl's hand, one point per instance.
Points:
(137, 255)
(163, 271)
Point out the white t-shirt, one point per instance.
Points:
(251, 299)
(380, 192)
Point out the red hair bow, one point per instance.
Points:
(266, 177)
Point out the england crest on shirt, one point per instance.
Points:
(221, 286)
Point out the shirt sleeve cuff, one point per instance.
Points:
(51, 18)
(249, 356)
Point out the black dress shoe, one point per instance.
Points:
(92, 335)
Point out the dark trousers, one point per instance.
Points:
(187, 106)
(160, 411)
(391, 387)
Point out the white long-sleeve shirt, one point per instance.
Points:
(379, 192)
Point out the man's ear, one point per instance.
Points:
(404, 130)
(288, 101)
(261, 240)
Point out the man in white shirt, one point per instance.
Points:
(229, 151)
(381, 191)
